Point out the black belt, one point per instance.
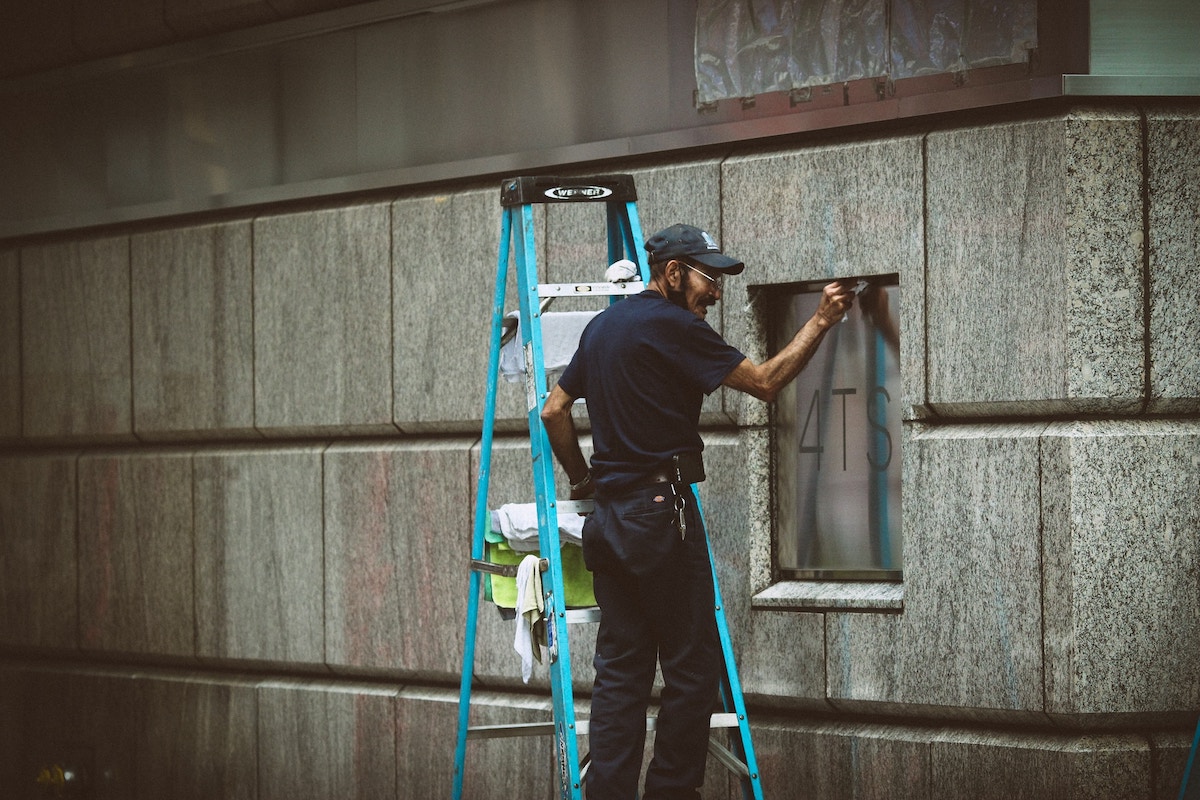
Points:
(687, 468)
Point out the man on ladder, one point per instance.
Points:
(643, 365)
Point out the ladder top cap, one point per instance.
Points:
(552, 189)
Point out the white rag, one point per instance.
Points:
(519, 524)
(621, 271)
(560, 340)
(531, 630)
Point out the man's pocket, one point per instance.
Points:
(636, 532)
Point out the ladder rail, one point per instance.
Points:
(731, 689)
(481, 504)
(631, 232)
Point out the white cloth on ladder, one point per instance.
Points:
(519, 524)
(531, 627)
(560, 340)
(621, 271)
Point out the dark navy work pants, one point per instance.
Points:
(655, 592)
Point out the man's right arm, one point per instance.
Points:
(560, 430)
(765, 380)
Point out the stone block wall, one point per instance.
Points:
(238, 460)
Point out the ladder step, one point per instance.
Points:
(503, 570)
(716, 722)
(576, 615)
(602, 289)
(576, 506)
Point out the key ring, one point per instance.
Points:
(680, 504)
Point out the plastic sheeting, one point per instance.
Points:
(749, 47)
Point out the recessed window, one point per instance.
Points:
(836, 440)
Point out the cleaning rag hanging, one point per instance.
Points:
(530, 636)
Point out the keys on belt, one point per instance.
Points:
(680, 504)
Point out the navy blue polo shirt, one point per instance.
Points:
(644, 365)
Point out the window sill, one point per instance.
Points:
(877, 596)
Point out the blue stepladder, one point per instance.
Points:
(517, 246)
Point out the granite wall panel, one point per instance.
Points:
(443, 325)
(397, 540)
(971, 632)
(322, 321)
(821, 213)
(970, 636)
(781, 659)
(10, 345)
(197, 738)
(774, 650)
(1173, 188)
(861, 655)
(1105, 230)
(494, 769)
(75, 340)
(135, 554)
(193, 346)
(1122, 560)
(995, 765)
(1035, 244)
(842, 760)
(326, 741)
(1169, 754)
(259, 557)
(38, 565)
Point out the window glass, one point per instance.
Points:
(836, 442)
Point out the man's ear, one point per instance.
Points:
(674, 275)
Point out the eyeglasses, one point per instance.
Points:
(717, 283)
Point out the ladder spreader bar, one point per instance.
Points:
(582, 727)
(503, 570)
(602, 289)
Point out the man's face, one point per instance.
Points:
(698, 290)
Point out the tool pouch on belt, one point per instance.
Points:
(688, 467)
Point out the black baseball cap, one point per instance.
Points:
(691, 243)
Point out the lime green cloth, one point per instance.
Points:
(577, 581)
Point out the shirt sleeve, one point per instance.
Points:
(706, 358)
(573, 380)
